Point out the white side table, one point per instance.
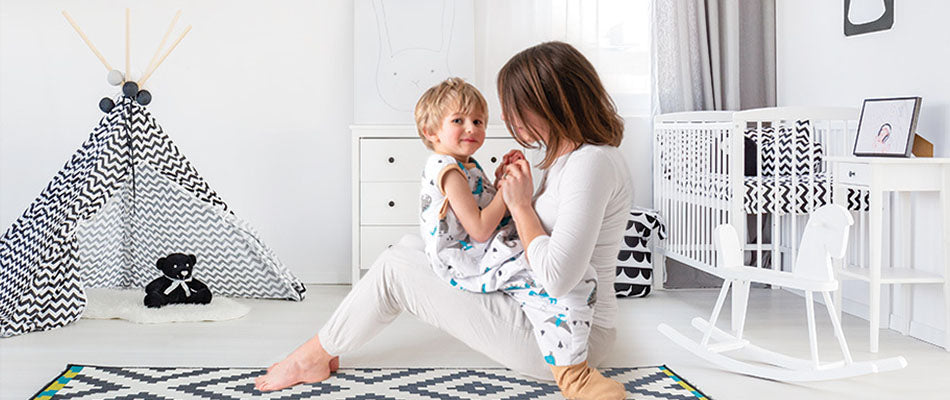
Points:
(904, 175)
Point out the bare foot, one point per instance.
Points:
(334, 364)
(310, 363)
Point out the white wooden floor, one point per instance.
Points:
(275, 327)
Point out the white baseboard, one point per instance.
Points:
(860, 310)
(898, 322)
(928, 334)
(924, 332)
(849, 306)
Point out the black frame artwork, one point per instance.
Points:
(885, 22)
(883, 118)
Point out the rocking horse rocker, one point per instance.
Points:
(825, 237)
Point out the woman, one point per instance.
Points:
(551, 96)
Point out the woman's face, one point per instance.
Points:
(533, 121)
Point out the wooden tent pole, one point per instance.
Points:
(161, 60)
(128, 62)
(86, 39)
(161, 45)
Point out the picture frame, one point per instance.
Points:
(887, 127)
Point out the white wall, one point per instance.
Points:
(258, 97)
(637, 148)
(818, 65)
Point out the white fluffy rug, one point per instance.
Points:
(104, 303)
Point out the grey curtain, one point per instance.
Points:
(712, 55)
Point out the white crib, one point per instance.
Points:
(700, 179)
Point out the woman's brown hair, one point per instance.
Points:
(558, 84)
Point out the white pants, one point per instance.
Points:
(490, 323)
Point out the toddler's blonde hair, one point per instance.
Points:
(450, 95)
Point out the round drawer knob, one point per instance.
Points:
(494, 159)
(392, 203)
(392, 160)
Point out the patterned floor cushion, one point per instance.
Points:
(635, 260)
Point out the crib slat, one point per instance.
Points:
(760, 187)
(777, 201)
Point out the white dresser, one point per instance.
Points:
(387, 168)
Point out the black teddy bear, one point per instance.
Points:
(177, 284)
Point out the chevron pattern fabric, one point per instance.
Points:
(90, 382)
(790, 161)
(793, 192)
(759, 195)
(124, 199)
(789, 151)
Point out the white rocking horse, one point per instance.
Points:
(825, 237)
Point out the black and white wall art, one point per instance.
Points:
(866, 16)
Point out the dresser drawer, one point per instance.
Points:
(392, 159)
(389, 203)
(853, 174)
(375, 239)
(403, 159)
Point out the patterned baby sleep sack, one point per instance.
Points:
(453, 255)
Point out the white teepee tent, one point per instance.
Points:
(126, 198)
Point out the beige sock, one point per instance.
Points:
(581, 382)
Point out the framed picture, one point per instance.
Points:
(887, 127)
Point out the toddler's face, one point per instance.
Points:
(460, 135)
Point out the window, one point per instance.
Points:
(613, 34)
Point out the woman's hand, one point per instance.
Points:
(513, 155)
(518, 185)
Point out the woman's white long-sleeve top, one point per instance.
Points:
(583, 203)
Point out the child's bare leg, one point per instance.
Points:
(309, 363)
(581, 382)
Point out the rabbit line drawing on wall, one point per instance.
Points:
(409, 64)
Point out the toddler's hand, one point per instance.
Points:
(510, 157)
(514, 155)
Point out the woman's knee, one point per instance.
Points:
(395, 272)
(396, 262)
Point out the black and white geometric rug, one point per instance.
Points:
(155, 383)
